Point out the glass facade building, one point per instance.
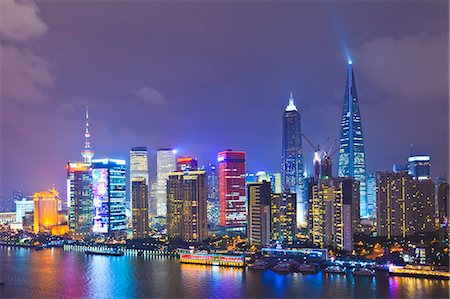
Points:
(419, 167)
(109, 195)
(166, 162)
(352, 160)
(292, 159)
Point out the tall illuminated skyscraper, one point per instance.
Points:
(139, 191)
(352, 160)
(138, 169)
(109, 193)
(232, 199)
(292, 158)
(79, 197)
(166, 162)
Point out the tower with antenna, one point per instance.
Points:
(87, 152)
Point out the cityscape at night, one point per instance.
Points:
(226, 149)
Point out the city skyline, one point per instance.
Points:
(51, 110)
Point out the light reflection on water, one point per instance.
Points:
(55, 273)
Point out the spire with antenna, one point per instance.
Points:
(291, 106)
(87, 151)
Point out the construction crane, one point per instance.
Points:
(322, 158)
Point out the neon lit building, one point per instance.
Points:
(352, 160)
(166, 162)
(419, 167)
(45, 210)
(292, 167)
(79, 197)
(138, 169)
(109, 195)
(186, 164)
(213, 194)
(139, 216)
(232, 198)
(187, 199)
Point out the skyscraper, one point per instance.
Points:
(138, 169)
(109, 193)
(213, 194)
(165, 162)
(352, 161)
(292, 158)
(186, 164)
(87, 152)
(258, 203)
(79, 197)
(187, 196)
(419, 167)
(232, 199)
(283, 228)
(45, 210)
(139, 213)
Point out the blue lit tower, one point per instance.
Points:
(352, 161)
(292, 158)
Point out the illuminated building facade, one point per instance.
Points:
(165, 163)
(333, 212)
(419, 167)
(352, 160)
(213, 194)
(79, 197)
(292, 167)
(371, 182)
(45, 210)
(283, 228)
(186, 164)
(187, 199)
(258, 203)
(138, 169)
(421, 206)
(23, 206)
(443, 209)
(139, 191)
(232, 198)
(87, 152)
(109, 195)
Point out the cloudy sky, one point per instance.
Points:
(206, 76)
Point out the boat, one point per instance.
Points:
(260, 265)
(307, 268)
(334, 270)
(282, 267)
(363, 272)
(422, 271)
(113, 252)
(214, 259)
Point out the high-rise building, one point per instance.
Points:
(213, 194)
(326, 166)
(138, 169)
(186, 206)
(443, 209)
(371, 181)
(23, 206)
(283, 228)
(165, 163)
(405, 206)
(45, 210)
(79, 197)
(139, 213)
(276, 182)
(333, 212)
(292, 158)
(419, 167)
(109, 195)
(87, 152)
(352, 160)
(186, 164)
(258, 203)
(232, 198)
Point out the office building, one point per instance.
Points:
(292, 158)
(187, 196)
(109, 195)
(419, 167)
(213, 194)
(352, 160)
(334, 212)
(138, 169)
(45, 210)
(443, 209)
(165, 163)
(139, 216)
(79, 197)
(283, 228)
(232, 182)
(371, 182)
(23, 206)
(258, 223)
(186, 164)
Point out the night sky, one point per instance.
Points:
(206, 76)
